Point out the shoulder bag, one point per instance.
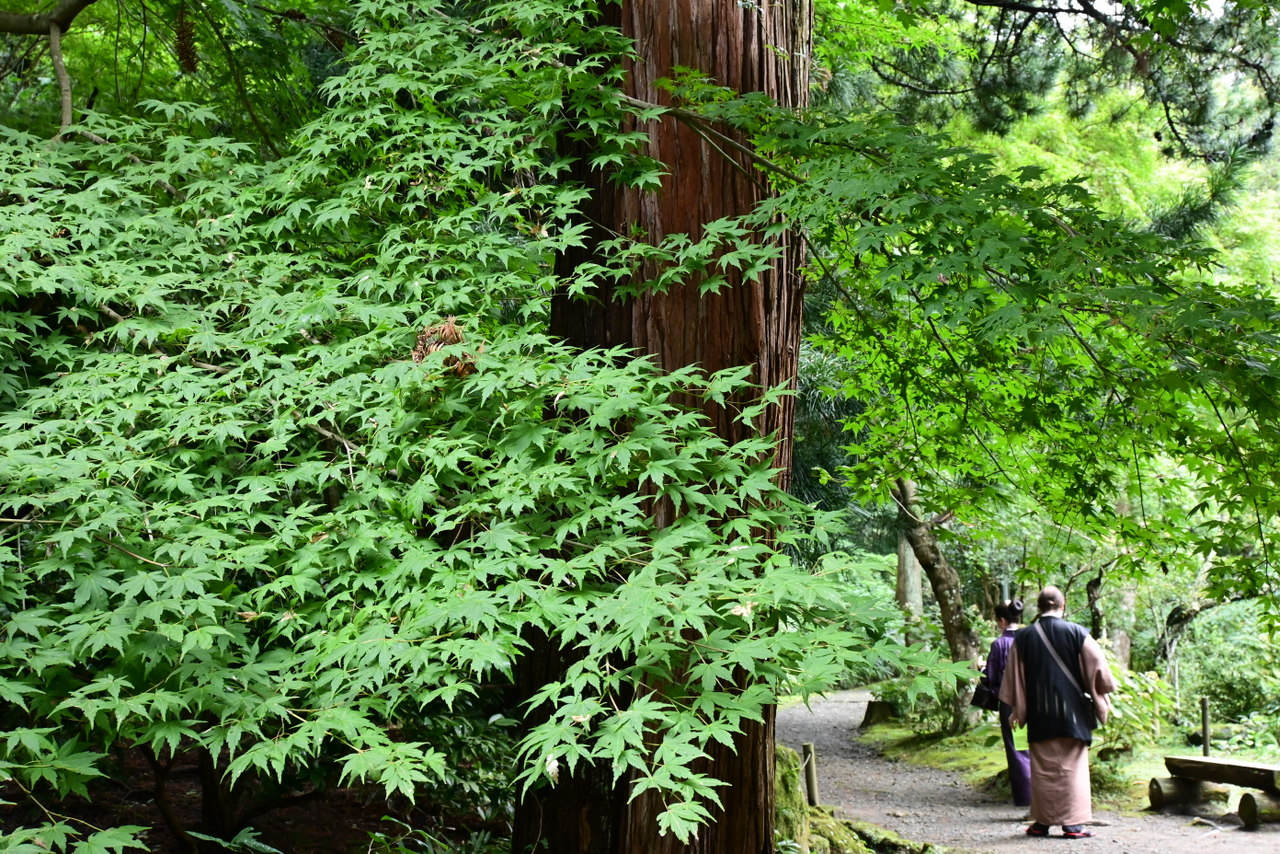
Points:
(984, 697)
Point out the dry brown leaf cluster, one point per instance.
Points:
(441, 335)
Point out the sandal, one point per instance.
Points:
(1075, 831)
(1038, 829)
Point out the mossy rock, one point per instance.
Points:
(817, 831)
(882, 841)
(791, 812)
(836, 836)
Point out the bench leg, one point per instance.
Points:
(1257, 808)
(1168, 792)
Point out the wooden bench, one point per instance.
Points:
(1198, 778)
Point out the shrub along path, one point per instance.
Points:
(929, 805)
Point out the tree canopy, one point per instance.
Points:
(1211, 69)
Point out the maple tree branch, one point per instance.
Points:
(64, 79)
(38, 23)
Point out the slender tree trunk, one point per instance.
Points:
(750, 47)
(962, 638)
(1174, 625)
(910, 591)
(1121, 639)
(1097, 620)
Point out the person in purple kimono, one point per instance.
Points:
(1008, 616)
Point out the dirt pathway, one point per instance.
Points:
(928, 805)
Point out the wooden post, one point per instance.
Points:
(1257, 808)
(1204, 724)
(810, 774)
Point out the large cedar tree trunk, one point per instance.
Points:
(748, 47)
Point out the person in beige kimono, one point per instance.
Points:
(1057, 683)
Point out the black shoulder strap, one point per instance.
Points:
(1054, 652)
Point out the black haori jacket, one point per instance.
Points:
(1054, 707)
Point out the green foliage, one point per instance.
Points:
(1257, 733)
(1006, 341)
(1094, 134)
(1227, 656)
(924, 697)
(410, 840)
(1208, 70)
(62, 836)
(293, 474)
(244, 841)
(926, 712)
(259, 67)
(1141, 707)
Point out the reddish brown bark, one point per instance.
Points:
(749, 48)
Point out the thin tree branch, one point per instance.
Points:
(1030, 8)
(237, 78)
(156, 351)
(64, 79)
(1244, 468)
(714, 140)
(133, 158)
(1066, 37)
(912, 87)
(38, 23)
(119, 547)
(691, 118)
(347, 445)
(160, 791)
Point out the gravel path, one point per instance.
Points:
(928, 805)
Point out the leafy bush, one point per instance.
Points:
(1227, 656)
(926, 706)
(411, 840)
(867, 603)
(293, 475)
(1141, 706)
(1258, 733)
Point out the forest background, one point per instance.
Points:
(330, 465)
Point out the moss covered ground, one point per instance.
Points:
(1119, 784)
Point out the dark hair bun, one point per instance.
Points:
(1010, 611)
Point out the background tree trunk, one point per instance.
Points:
(751, 48)
(910, 590)
(962, 638)
(1097, 619)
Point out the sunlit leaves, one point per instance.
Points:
(252, 509)
(1005, 340)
